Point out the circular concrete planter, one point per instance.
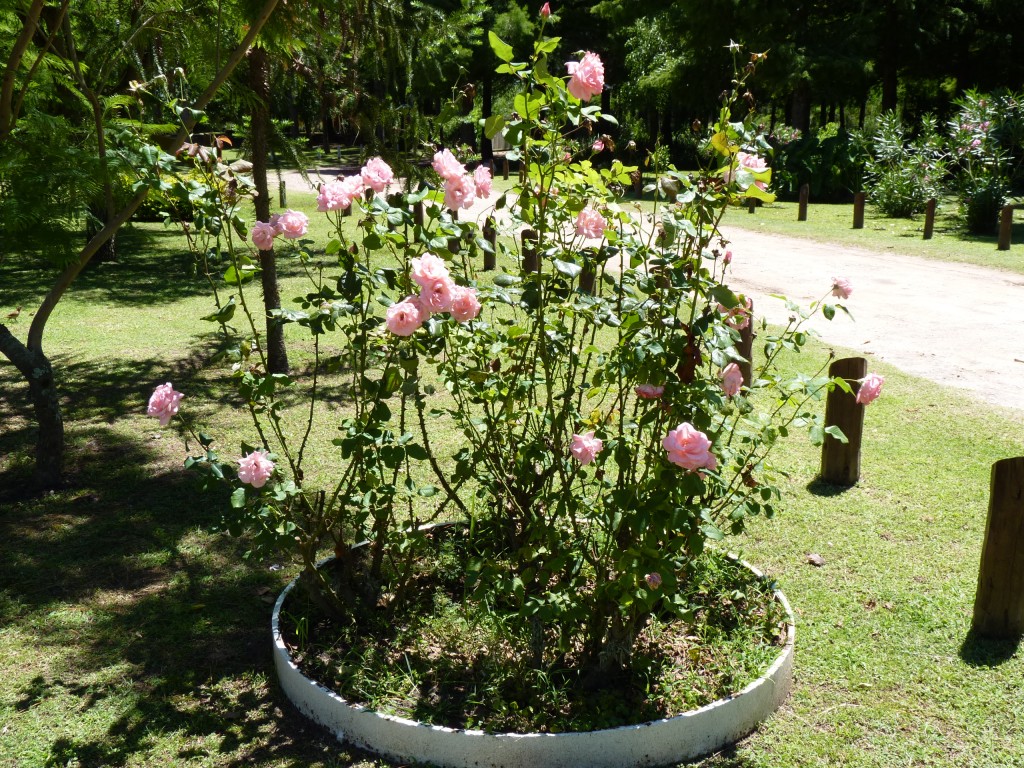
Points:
(658, 742)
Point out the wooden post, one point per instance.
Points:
(746, 348)
(805, 192)
(531, 263)
(1005, 228)
(999, 603)
(638, 185)
(491, 236)
(282, 193)
(840, 462)
(504, 168)
(454, 244)
(929, 219)
(751, 204)
(418, 214)
(858, 210)
(587, 277)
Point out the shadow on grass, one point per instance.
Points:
(819, 487)
(978, 651)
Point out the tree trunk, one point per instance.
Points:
(259, 81)
(38, 372)
(800, 105)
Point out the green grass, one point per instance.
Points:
(834, 224)
(130, 635)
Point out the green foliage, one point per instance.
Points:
(902, 175)
(833, 164)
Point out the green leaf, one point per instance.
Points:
(493, 125)
(567, 268)
(725, 297)
(238, 498)
(501, 49)
(837, 433)
(234, 277)
(828, 311)
(713, 532)
(505, 280)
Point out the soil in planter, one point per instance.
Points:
(444, 661)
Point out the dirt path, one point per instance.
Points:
(955, 324)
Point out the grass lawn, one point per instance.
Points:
(133, 635)
(834, 224)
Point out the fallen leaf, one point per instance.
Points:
(816, 560)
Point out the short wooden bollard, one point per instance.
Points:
(531, 263)
(418, 214)
(746, 347)
(1005, 228)
(999, 603)
(587, 277)
(504, 168)
(858, 210)
(840, 462)
(805, 192)
(282, 194)
(454, 243)
(929, 219)
(638, 185)
(751, 204)
(491, 236)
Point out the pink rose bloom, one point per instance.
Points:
(163, 403)
(292, 224)
(590, 223)
(653, 579)
(447, 166)
(438, 295)
(585, 447)
(752, 163)
(689, 448)
(427, 269)
(870, 388)
(459, 192)
(377, 174)
(465, 304)
(586, 77)
(545, 10)
(732, 379)
(739, 316)
(727, 259)
(597, 146)
(482, 180)
(263, 235)
(338, 194)
(841, 288)
(649, 391)
(255, 469)
(405, 316)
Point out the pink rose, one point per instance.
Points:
(653, 579)
(482, 180)
(586, 77)
(292, 224)
(255, 469)
(841, 288)
(377, 174)
(465, 304)
(727, 259)
(545, 10)
(732, 379)
(597, 146)
(447, 166)
(338, 194)
(590, 223)
(750, 162)
(739, 316)
(689, 448)
(438, 295)
(427, 269)
(649, 391)
(870, 388)
(585, 447)
(263, 235)
(405, 316)
(163, 403)
(459, 192)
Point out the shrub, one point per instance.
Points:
(902, 175)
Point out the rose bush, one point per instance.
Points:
(606, 430)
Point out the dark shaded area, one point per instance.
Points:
(979, 651)
(819, 487)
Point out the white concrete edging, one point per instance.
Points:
(658, 742)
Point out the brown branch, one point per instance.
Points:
(14, 64)
(35, 332)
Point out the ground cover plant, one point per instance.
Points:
(131, 635)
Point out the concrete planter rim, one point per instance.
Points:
(675, 739)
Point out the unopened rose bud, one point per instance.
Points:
(545, 10)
